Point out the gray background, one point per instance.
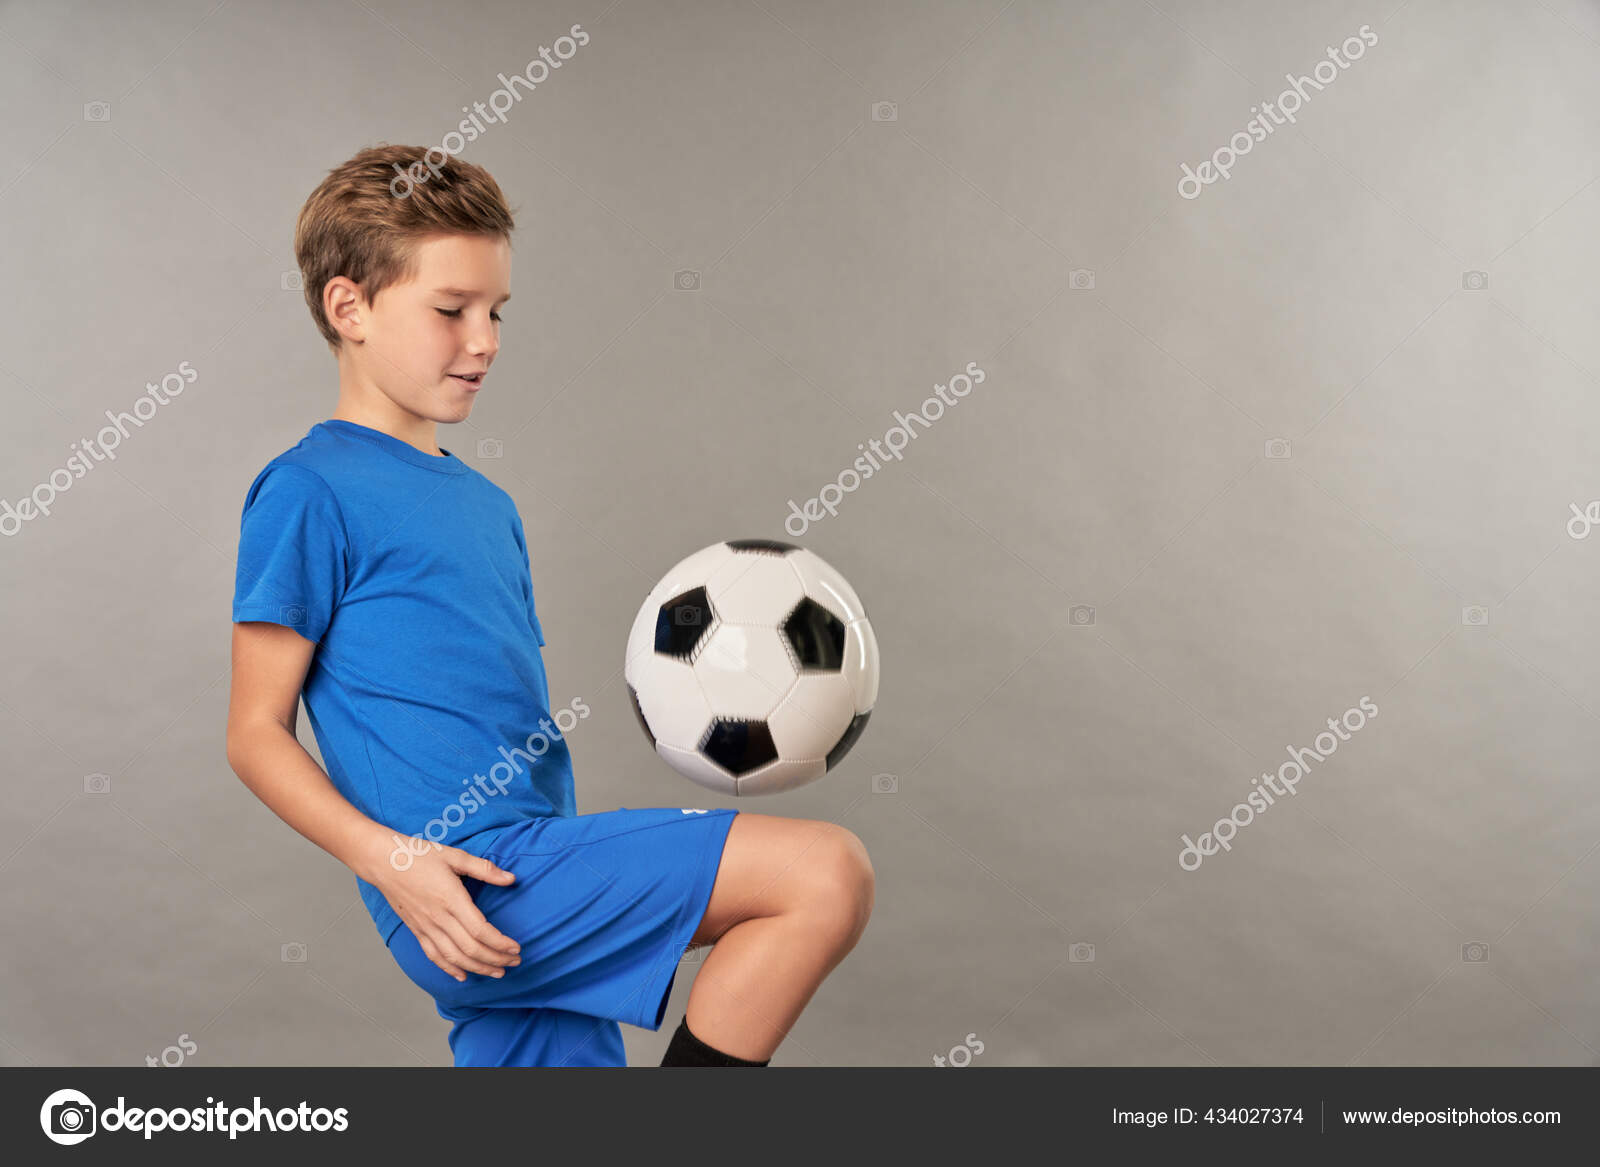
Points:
(1115, 457)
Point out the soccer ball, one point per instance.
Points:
(752, 667)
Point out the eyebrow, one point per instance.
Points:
(466, 294)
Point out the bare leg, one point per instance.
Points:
(792, 897)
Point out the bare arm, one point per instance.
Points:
(269, 667)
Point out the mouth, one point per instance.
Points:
(469, 381)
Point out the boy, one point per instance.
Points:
(392, 583)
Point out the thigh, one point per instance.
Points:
(771, 865)
(603, 907)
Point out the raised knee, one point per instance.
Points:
(846, 882)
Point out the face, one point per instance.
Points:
(445, 321)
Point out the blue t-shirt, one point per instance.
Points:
(427, 689)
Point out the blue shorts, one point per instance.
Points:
(604, 906)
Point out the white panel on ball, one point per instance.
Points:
(860, 666)
(692, 572)
(826, 586)
(641, 639)
(776, 777)
(754, 587)
(813, 716)
(744, 671)
(671, 700)
(698, 768)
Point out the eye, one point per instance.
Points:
(454, 312)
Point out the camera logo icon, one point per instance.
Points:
(1277, 448)
(1475, 952)
(293, 952)
(1475, 615)
(291, 281)
(1081, 953)
(97, 784)
(1081, 615)
(491, 448)
(97, 111)
(1082, 279)
(293, 614)
(68, 1117)
(686, 280)
(885, 111)
(1474, 281)
(692, 955)
(885, 784)
(687, 616)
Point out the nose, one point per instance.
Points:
(483, 341)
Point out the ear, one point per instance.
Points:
(345, 305)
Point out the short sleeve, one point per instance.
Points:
(527, 584)
(293, 552)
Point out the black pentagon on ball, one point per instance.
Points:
(682, 621)
(817, 636)
(774, 546)
(639, 713)
(739, 746)
(848, 739)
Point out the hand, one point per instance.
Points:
(429, 897)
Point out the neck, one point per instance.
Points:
(361, 402)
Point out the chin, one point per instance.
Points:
(433, 409)
(446, 413)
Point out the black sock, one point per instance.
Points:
(685, 1049)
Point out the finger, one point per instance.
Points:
(501, 948)
(486, 934)
(452, 950)
(475, 956)
(481, 868)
